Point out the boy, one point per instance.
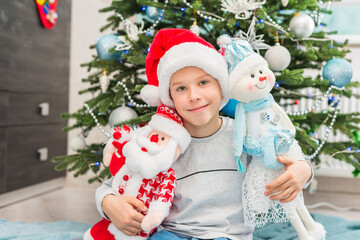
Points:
(186, 72)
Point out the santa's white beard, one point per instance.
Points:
(148, 164)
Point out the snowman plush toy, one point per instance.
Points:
(263, 130)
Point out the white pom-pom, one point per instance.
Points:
(224, 40)
(151, 95)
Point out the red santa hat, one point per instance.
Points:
(172, 50)
(167, 120)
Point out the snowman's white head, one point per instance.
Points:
(250, 78)
(253, 84)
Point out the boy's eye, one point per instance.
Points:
(203, 82)
(179, 89)
(252, 75)
(260, 71)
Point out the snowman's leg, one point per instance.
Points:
(300, 228)
(315, 229)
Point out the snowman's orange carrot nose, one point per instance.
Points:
(262, 79)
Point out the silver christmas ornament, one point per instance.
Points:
(77, 143)
(278, 57)
(121, 114)
(302, 25)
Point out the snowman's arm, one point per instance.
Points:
(245, 125)
(295, 151)
(285, 121)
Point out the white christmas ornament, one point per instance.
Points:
(278, 57)
(302, 25)
(104, 82)
(77, 143)
(121, 114)
(284, 2)
(195, 29)
(241, 8)
(256, 41)
(132, 32)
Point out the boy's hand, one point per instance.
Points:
(287, 186)
(122, 211)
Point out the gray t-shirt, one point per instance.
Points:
(207, 202)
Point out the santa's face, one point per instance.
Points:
(254, 85)
(150, 155)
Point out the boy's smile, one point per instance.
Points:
(198, 109)
(197, 98)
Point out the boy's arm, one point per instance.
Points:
(296, 153)
(288, 185)
(121, 210)
(101, 192)
(297, 175)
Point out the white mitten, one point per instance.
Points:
(152, 220)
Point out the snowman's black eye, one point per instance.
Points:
(252, 75)
(260, 71)
(162, 139)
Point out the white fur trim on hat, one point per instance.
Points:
(244, 67)
(173, 129)
(191, 54)
(150, 94)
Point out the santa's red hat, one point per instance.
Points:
(172, 50)
(167, 120)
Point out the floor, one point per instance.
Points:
(69, 203)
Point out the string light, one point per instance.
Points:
(329, 128)
(127, 94)
(204, 16)
(317, 103)
(154, 24)
(327, 132)
(96, 121)
(274, 24)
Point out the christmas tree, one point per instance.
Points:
(288, 33)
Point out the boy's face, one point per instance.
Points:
(196, 96)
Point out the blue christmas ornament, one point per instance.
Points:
(105, 44)
(230, 107)
(152, 12)
(331, 99)
(338, 71)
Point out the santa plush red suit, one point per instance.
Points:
(155, 189)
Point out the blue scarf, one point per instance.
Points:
(239, 127)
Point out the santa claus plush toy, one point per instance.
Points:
(140, 162)
(263, 130)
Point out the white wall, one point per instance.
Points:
(86, 22)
